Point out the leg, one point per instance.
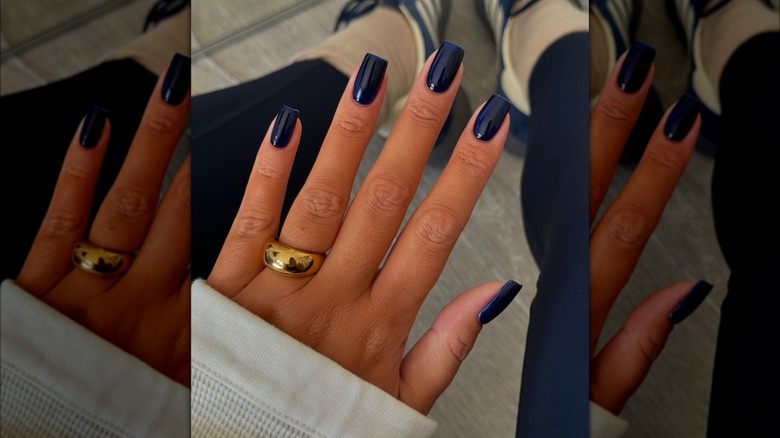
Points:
(744, 193)
(554, 392)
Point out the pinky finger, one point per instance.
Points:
(67, 218)
(621, 366)
(431, 364)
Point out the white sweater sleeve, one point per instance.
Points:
(251, 379)
(60, 379)
(604, 424)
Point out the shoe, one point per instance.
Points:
(427, 18)
(162, 10)
(699, 84)
(497, 14)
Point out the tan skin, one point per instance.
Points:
(144, 311)
(619, 237)
(360, 315)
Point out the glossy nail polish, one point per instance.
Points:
(177, 80)
(369, 79)
(690, 302)
(681, 118)
(92, 128)
(499, 302)
(635, 67)
(284, 125)
(490, 117)
(444, 67)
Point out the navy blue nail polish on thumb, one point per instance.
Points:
(368, 79)
(690, 302)
(177, 80)
(490, 117)
(284, 125)
(444, 67)
(681, 119)
(500, 301)
(92, 128)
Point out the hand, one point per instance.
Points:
(353, 311)
(617, 241)
(145, 309)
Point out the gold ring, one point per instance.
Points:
(290, 261)
(99, 261)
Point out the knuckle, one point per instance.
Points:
(252, 223)
(457, 346)
(351, 125)
(161, 124)
(437, 227)
(131, 202)
(613, 113)
(183, 196)
(649, 346)
(664, 162)
(79, 172)
(321, 203)
(387, 195)
(61, 222)
(630, 226)
(269, 170)
(424, 114)
(471, 162)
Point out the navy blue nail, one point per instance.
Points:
(177, 80)
(284, 126)
(92, 128)
(681, 118)
(500, 301)
(490, 117)
(690, 302)
(444, 66)
(369, 79)
(635, 67)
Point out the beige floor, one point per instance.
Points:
(482, 401)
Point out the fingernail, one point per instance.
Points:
(369, 79)
(681, 118)
(284, 125)
(177, 80)
(499, 302)
(490, 117)
(92, 128)
(444, 66)
(690, 302)
(635, 67)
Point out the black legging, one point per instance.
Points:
(39, 124)
(745, 398)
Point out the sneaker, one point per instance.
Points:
(497, 13)
(427, 18)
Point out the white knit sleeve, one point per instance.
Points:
(605, 424)
(251, 379)
(60, 379)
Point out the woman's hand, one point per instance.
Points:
(358, 309)
(142, 308)
(618, 239)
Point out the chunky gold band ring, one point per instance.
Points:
(290, 261)
(99, 261)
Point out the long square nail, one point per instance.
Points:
(681, 119)
(177, 80)
(490, 117)
(690, 302)
(284, 126)
(369, 79)
(500, 301)
(92, 128)
(444, 67)
(635, 67)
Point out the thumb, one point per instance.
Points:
(431, 364)
(621, 366)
